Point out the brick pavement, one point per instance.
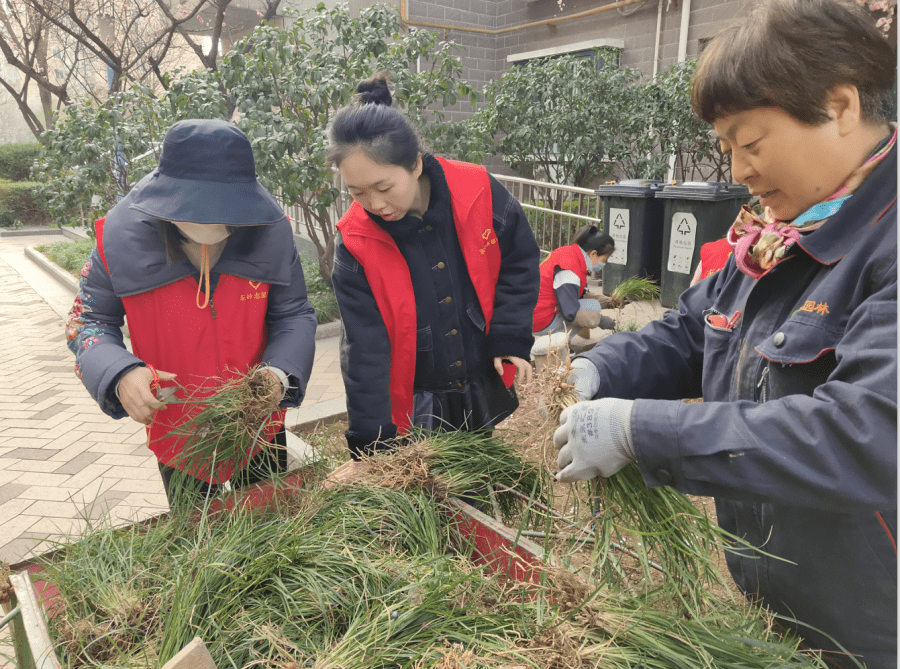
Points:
(63, 463)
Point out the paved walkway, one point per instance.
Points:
(63, 462)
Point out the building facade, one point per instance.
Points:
(650, 34)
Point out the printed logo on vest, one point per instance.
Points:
(489, 238)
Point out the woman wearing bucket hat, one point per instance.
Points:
(201, 259)
(436, 276)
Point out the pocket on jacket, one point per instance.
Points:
(476, 316)
(719, 352)
(797, 343)
(801, 357)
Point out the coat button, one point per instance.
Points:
(440, 265)
(448, 300)
(453, 332)
(428, 227)
(664, 476)
(778, 339)
(458, 363)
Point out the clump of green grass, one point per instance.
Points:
(466, 464)
(635, 289)
(70, 254)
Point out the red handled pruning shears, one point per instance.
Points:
(162, 394)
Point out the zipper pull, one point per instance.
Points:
(212, 308)
(761, 386)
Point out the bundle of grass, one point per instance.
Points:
(634, 289)
(228, 424)
(660, 529)
(556, 393)
(457, 464)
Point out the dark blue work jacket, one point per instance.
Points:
(797, 435)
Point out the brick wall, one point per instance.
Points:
(486, 56)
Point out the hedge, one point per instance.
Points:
(16, 160)
(20, 201)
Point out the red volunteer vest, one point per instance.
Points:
(204, 347)
(565, 257)
(390, 281)
(713, 257)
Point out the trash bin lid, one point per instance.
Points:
(630, 188)
(709, 191)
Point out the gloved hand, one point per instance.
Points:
(585, 378)
(607, 323)
(594, 439)
(586, 319)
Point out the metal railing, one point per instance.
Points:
(555, 212)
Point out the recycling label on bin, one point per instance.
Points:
(619, 223)
(681, 242)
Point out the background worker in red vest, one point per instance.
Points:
(436, 277)
(561, 305)
(201, 259)
(713, 256)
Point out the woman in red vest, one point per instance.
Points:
(436, 276)
(561, 305)
(713, 256)
(201, 259)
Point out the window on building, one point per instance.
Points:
(587, 49)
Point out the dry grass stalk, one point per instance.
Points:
(406, 468)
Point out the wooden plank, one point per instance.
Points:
(192, 656)
(38, 647)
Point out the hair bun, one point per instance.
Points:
(375, 90)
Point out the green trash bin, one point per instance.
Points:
(695, 212)
(634, 218)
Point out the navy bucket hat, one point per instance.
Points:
(206, 174)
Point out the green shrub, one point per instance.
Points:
(321, 296)
(7, 217)
(70, 254)
(16, 160)
(24, 202)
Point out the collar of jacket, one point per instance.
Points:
(838, 234)
(135, 256)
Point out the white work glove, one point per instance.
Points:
(585, 378)
(594, 439)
